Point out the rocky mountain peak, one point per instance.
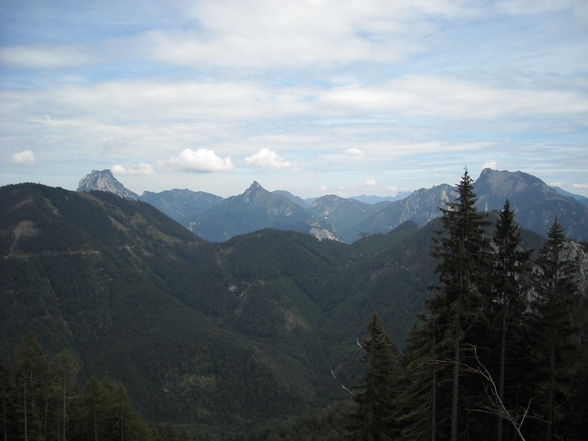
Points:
(104, 180)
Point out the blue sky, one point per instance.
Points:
(311, 96)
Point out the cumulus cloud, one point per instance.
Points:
(369, 182)
(267, 158)
(580, 185)
(26, 157)
(355, 151)
(490, 164)
(201, 160)
(133, 169)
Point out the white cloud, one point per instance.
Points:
(293, 33)
(369, 182)
(323, 188)
(447, 97)
(133, 169)
(201, 160)
(489, 164)
(578, 8)
(268, 159)
(355, 151)
(26, 157)
(44, 57)
(580, 185)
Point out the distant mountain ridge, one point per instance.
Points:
(332, 217)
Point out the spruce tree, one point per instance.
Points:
(33, 388)
(374, 417)
(462, 249)
(555, 299)
(509, 295)
(417, 400)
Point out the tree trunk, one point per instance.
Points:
(434, 408)
(501, 378)
(550, 392)
(64, 409)
(455, 391)
(26, 423)
(95, 425)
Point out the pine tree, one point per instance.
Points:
(374, 418)
(5, 394)
(463, 252)
(510, 265)
(417, 400)
(66, 369)
(555, 297)
(33, 389)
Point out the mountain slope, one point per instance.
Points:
(421, 206)
(222, 335)
(535, 203)
(342, 214)
(103, 180)
(253, 210)
(181, 205)
(142, 299)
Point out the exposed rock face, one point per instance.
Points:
(578, 252)
(103, 180)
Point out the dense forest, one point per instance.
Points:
(499, 353)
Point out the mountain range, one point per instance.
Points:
(332, 217)
(203, 333)
(219, 335)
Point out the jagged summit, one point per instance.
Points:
(103, 180)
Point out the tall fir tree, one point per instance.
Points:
(417, 400)
(554, 302)
(32, 389)
(66, 369)
(510, 265)
(458, 308)
(375, 416)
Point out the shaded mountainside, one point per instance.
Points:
(212, 334)
(181, 205)
(253, 210)
(332, 217)
(536, 204)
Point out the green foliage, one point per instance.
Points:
(374, 418)
(220, 339)
(40, 401)
(555, 298)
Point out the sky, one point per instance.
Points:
(311, 96)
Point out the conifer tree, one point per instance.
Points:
(66, 368)
(555, 297)
(5, 392)
(374, 417)
(417, 400)
(509, 295)
(32, 384)
(462, 249)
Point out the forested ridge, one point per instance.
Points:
(255, 339)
